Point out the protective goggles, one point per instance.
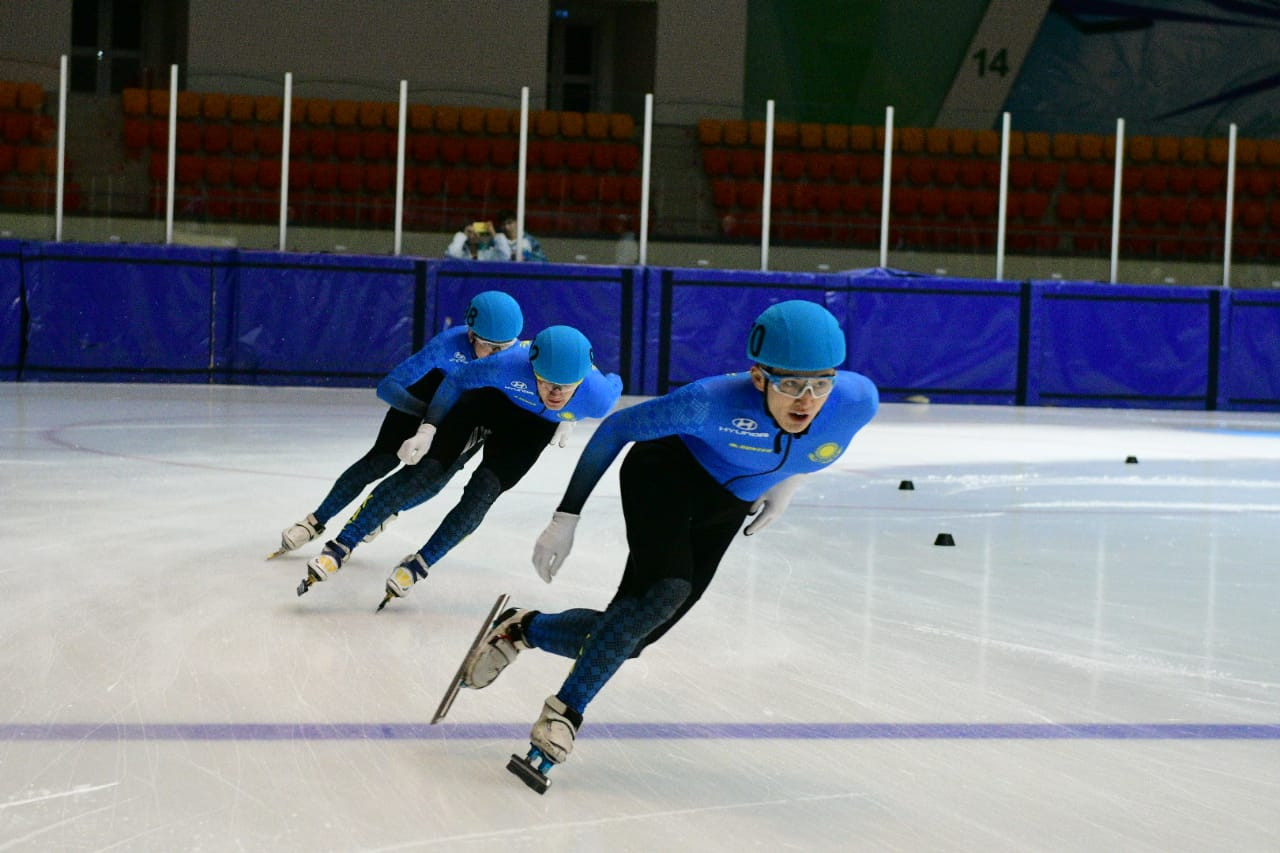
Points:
(556, 386)
(494, 346)
(795, 386)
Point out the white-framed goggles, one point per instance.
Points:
(795, 386)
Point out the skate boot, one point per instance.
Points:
(550, 743)
(373, 534)
(499, 648)
(327, 563)
(554, 733)
(297, 535)
(411, 570)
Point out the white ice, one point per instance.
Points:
(845, 683)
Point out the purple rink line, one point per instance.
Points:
(637, 731)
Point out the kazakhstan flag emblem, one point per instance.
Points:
(825, 452)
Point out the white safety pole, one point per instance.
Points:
(766, 200)
(1117, 193)
(646, 166)
(1002, 218)
(400, 142)
(1231, 205)
(517, 253)
(173, 147)
(60, 182)
(888, 182)
(522, 169)
(284, 158)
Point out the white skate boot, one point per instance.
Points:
(402, 578)
(327, 563)
(554, 733)
(297, 535)
(498, 649)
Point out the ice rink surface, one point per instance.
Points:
(1094, 665)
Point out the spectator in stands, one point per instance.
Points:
(504, 240)
(475, 242)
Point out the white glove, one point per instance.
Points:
(554, 544)
(413, 449)
(772, 504)
(561, 437)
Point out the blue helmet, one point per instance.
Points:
(561, 355)
(495, 316)
(796, 335)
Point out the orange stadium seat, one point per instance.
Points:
(188, 105)
(621, 126)
(987, 143)
(937, 141)
(158, 102)
(1065, 146)
(297, 110)
(596, 125)
(1140, 149)
(1089, 146)
(423, 148)
(1191, 150)
(1166, 149)
(319, 111)
(545, 123)
(755, 133)
(347, 145)
(447, 118)
(1038, 145)
(345, 113)
(240, 108)
(710, 131)
(421, 117)
(268, 109)
(500, 122)
(9, 99)
(835, 137)
(471, 120)
(735, 132)
(370, 114)
(572, 124)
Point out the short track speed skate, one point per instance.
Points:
(456, 684)
(532, 769)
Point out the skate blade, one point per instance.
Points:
(277, 552)
(528, 774)
(454, 686)
(305, 585)
(385, 600)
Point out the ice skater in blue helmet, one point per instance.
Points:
(706, 457)
(523, 399)
(493, 324)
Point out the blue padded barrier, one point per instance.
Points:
(947, 339)
(333, 320)
(1125, 345)
(12, 309)
(697, 321)
(1251, 380)
(113, 313)
(601, 302)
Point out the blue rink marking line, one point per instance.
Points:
(637, 731)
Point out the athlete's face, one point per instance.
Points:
(483, 348)
(556, 397)
(793, 414)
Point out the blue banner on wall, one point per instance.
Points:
(698, 320)
(944, 339)
(1252, 378)
(601, 302)
(112, 313)
(318, 319)
(1126, 345)
(12, 309)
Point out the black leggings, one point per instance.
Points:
(680, 522)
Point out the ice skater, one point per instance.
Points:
(524, 399)
(493, 323)
(706, 457)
